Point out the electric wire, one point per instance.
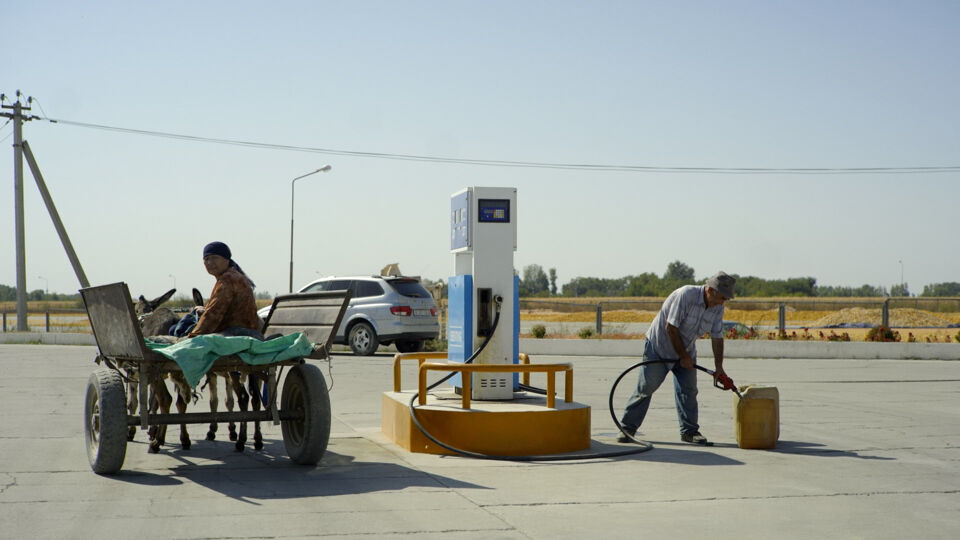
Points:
(37, 101)
(516, 163)
(7, 136)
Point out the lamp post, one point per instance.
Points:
(325, 168)
(174, 280)
(46, 287)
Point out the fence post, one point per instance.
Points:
(4, 321)
(47, 313)
(599, 318)
(886, 313)
(782, 318)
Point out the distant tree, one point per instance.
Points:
(950, 288)
(899, 290)
(678, 271)
(7, 293)
(646, 284)
(553, 281)
(534, 281)
(804, 286)
(861, 291)
(589, 286)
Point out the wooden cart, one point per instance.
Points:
(304, 409)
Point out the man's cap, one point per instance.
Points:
(722, 283)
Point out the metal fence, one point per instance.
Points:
(59, 320)
(934, 305)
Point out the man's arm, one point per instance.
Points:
(674, 333)
(717, 357)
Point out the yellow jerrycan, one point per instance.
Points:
(757, 416)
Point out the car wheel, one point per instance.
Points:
(409, 345)
(362, 339)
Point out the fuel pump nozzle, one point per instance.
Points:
(723, 382)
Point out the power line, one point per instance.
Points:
(7, 136)
(524, 164)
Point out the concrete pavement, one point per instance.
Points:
(868, 449)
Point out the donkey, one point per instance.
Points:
(156, 321)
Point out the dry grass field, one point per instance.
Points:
(923, 325)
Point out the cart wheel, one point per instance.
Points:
(305, 391)
(105, 418)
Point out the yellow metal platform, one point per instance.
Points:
(528, 425)
(524, 426)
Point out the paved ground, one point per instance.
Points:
(868, 449)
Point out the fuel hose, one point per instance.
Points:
(643, 446)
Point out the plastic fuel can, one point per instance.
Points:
(757, 416)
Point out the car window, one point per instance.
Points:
(367, 288)
(410, 288)
(332, 285)
(316, 287)
(338, 285)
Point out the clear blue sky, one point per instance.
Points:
(675, 84)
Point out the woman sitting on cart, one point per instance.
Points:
(231, 309)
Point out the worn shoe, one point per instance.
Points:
(694, 438)
(625, 436)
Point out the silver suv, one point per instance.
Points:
(382, 310)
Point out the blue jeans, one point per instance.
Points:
(651, 377)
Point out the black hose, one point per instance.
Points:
(645, 446)
(613, 389)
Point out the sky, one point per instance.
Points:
(673, 84)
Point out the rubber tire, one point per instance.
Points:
(409, 345)
(362, 339)
(305, 390)
(105, 421)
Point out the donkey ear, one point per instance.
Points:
(166, 296)
(197, 298)
(143, 306)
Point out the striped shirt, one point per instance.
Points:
(685, 308)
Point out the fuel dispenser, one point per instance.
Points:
(498, 418)
(483, 237)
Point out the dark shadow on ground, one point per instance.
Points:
(605, 451)
(269, 474)
(816, 449)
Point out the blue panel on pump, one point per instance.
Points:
(460, 221)
(459, 321)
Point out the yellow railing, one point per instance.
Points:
(421, 357)
(526, 368)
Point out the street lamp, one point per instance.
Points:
(325, 168)
(46, 287)
(174, 280)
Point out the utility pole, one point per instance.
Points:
(18, 118)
